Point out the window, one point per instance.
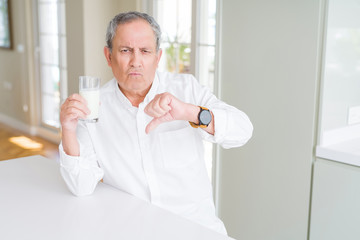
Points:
(189, 43)
(51, 59)
(174, 18)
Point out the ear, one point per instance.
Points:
(159, 56)
(107, 55)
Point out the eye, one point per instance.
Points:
(124, 50)
(145, 51)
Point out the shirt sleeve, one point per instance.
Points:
(81, 174)
(233, 127)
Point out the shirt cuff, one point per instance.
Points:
(67, 161)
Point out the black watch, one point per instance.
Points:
(204, 118)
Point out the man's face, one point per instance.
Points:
(134, 58)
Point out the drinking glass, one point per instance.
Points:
(89, 88)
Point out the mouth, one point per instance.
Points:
(134, 74)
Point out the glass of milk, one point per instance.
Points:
(89, 88)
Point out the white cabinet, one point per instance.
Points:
(335, 211)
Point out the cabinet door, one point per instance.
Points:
(335, 211)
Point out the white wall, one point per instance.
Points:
(97, 15)
(86, 23)
(269, 60)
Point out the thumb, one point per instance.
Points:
(157, 121)
(152, 125)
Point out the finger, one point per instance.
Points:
(78, 105)
(157, 108)
(157, 111)
(165, 102)
(76, 113)
(74, 106)
(161, 104)
(77, 97)
(157, 121)
(72, 114)
(152, 110)
(152, 125)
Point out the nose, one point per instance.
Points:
(136, 59)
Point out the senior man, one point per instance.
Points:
(148, 140)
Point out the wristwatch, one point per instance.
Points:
(204, 118)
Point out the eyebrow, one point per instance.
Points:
(141, 48)
(125, 47)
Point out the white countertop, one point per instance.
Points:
(35, 204)
(342, 145)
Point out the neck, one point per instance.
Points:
(135, 98)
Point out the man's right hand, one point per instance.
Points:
(73, 108)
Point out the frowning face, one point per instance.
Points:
(134, 58)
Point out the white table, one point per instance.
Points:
(35, 204)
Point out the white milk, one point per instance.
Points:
(92, 98)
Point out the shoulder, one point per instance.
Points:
(109, 86)
(184, 86)
(168, 79)
(108, 89)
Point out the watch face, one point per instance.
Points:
(205, 117)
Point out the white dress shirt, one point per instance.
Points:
(165, 167)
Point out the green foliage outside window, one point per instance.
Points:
(178, 57)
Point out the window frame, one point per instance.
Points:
(62, 65)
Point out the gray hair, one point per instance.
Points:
(127, 17)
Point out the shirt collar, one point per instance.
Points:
(149, 96)
(124, 101)
(153, 90)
